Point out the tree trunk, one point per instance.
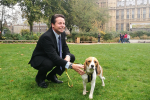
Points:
(1, 23)
(1, 31)
(31, 29)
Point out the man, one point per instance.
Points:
(128, 38)
(125, 37)
(120, 38)
(48, 52)
(99, 37)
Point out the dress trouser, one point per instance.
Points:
(46, 66)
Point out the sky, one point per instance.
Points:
(16, 11)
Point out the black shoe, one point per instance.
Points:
(41, 83)
(54, 79)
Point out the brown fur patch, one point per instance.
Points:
(87, 62)
(97, 67)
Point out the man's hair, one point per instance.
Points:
(56, 16)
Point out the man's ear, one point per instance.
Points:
(52, 25)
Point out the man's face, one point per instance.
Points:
(59, 25)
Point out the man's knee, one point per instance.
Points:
(47, 64)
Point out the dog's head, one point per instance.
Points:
(91, 64)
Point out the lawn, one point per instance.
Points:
(126, 69)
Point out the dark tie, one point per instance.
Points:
(60, 49)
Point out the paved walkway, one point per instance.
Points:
(131, 41)
(92, 43)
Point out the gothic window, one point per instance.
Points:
(144, 13)
(122, 14)
(127, 27)
(122, 25)
(149, 12)
(117, 14)
(127, 13)
(117, 27)
(138, 13)
(132, 13)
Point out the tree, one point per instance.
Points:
(31, 10)
(4, 4)
(101, 19)
(84, 11)
(69, 14)
(88, 15)
(84, 14)
(51, 7)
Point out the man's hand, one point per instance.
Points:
(78, 69)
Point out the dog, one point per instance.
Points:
(92, 68)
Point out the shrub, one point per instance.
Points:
(8, 36)
(116, 39)
(69, 40)
(82, 38)
(16, 36)
(3, 38)
(6, 30)
(35, 37)
(94, 39)
(136, 37)
(25, 32)
(102, 32)
(107, 37)
(144, 37)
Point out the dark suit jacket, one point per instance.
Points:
(46, 48)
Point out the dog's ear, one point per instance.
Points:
(85, 63)
(98, 68)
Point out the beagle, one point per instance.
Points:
(92, 68)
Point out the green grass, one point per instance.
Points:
(126, 69)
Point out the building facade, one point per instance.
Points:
(40, 27)
(37, 27)
(126, 13)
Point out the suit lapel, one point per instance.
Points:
(52, 35)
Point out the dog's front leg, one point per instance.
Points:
(84, 88)
(92, 89)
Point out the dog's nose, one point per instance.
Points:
(92, 66)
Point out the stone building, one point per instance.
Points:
(40, 27)
(126, 13)
(16, 28)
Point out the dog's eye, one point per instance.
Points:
(89, 61)
(95, 62)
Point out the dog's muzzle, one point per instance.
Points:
(92, 66)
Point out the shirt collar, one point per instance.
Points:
(56, 35)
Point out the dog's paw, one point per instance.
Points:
(84, 93)
(90, 96)
(103, 84)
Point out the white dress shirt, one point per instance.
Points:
(56, 35)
